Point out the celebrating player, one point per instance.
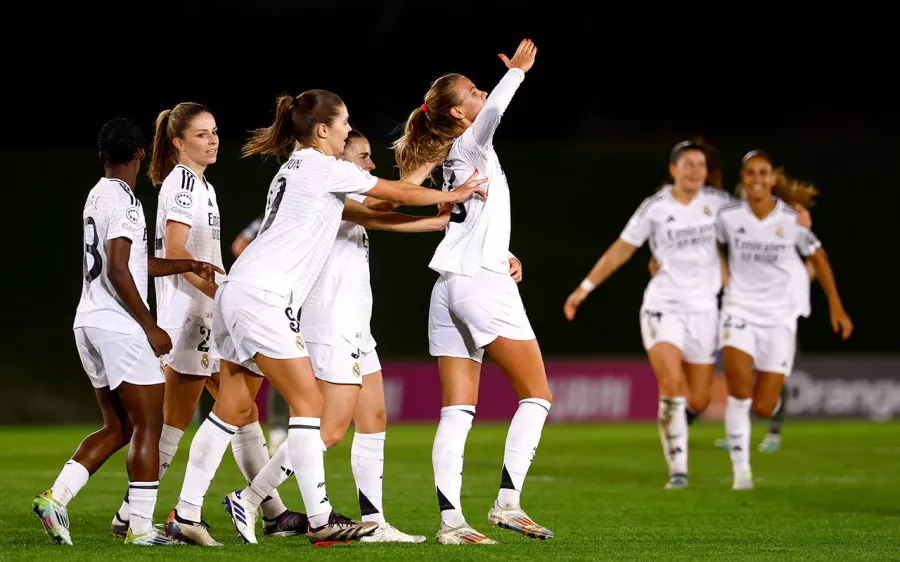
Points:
(335, 325)
(475, 304)
(118, 341)
(679, 313)
(255, 325)
(759, 309)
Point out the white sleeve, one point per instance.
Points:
(125, 222)
(252, 229)
(179, 202)
(348, 178)
(807, 242)
(489, 117)
(356, 197)
(638, 228)
(721, 232)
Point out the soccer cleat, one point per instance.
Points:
(118, 527)
(189, 532)
(771, 444)
(464, 534)
(388, 533)
(151, 538)
(243, 516)
(743, 481)
(517, 520)
(677, 482)
(722, 444)
(54, 517)
(288, 524)
(340, 529)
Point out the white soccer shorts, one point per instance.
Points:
(342, 362)
(111, 358)
(772, 347)
(248, 320)
(694, 333)
(468, 313)
(190, 353)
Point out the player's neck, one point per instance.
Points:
(762, 207)
(683, 196)
(122, 172)
(198, 169)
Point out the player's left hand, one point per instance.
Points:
(804, 219)
(205, 270)
(515, 269)
(841, 323)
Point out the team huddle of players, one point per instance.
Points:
(226, 332)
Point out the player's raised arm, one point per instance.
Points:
(496, 103)
(406, 193)
(395, 222)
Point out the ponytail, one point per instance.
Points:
(278, 138)
(163, 156)
(793, 191)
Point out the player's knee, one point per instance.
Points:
(332, 437)
(374, 421)
(178, 419)
(764, 408)
(116, 436)
(698, 403)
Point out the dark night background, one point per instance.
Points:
(584, 141)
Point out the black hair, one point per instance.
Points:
(683, 146)
(355, 134)
(119, 141)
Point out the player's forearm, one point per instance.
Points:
(417, 196)
(489, 117)
(398, 222)
(419, 175)
(163, 267)
(617, 254)
(826, 279)
(123, 283)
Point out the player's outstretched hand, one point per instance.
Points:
(205, 270)
(470, 188)
(524, 57)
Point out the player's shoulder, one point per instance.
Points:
(717, 195)
(116, 191)
(731, 209)
(180, 178)
(652, 202)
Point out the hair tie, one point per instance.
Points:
(424, 108)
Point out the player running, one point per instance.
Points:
(475, 304)
(255, 324)
(118, 341)
(759, 309)
(679, 313)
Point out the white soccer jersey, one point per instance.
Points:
(683, 240)
(340, 303)
(111, 211)
(763, 261)
(478, 233)
(303, 212)
(185, 198)
(800, 288)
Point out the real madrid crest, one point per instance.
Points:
(204, 361)
(300, 344)
(706, 210)
(779, 232)
(726, 334)
(356, 368)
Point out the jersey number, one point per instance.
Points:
(90, 249)
(276, 202)
(461, 215)
(204, 343)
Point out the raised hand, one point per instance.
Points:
(524, 57)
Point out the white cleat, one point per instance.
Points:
(189, 532)
(464, 534)
(151, 538)
(743, 481)
(54, 517)
(517, 520)
(388, 533)
(243, 516)
(677, 482)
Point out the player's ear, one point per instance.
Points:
(322, 131)
(140, 154)
(178, 144)
(457, 112)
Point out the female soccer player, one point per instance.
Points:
(475, 305)
(118, 341)
(679, 312)
(185, 142)
(255, 324)
(759, 310)
(335, 325)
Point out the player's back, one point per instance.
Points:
(111, 211)
(303, 212)
(186, 198)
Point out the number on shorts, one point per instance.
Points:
(730, 323)
(276, 202)
(294, 320)
(91, 249)
(204, 345)
(459, 216)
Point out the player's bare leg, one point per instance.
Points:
(666, 360)
(294, 379)
(459, 391)
(94, 450)
(699, 385)
(523, 364)
(367, 459)
(739, 377)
